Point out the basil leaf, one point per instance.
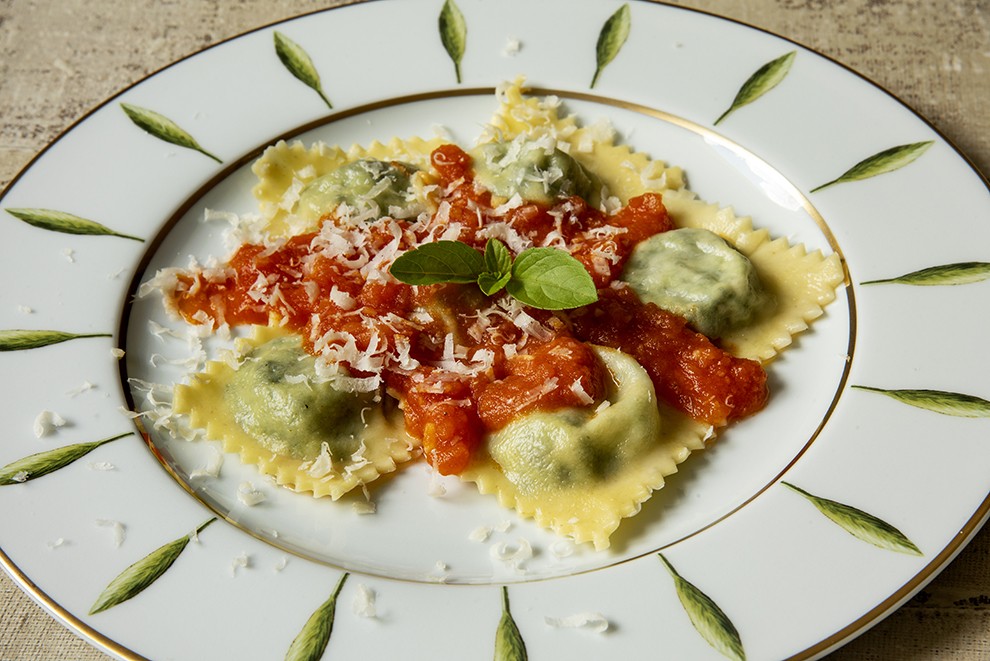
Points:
(441, 261)
(550, 279)
(492, 283)
(498, 262)
(498, 259)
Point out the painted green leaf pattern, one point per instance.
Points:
(59, 221)
(299, 64)
(961, 273)
(882, 162)
(860, 524)
(43, 463)
(311, 642)
(453, 34)
(19, 340)
(509, 645)
(612, 37)
(710, 621)
(163, 128)
(139, 576)
(762, 81)
(939, 401)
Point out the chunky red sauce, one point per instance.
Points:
(463, 364)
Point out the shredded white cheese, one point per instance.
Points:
(249, 495)
(562, 548)
(81, 389)
(118, 530)
(513, 556)
(242, 561)
(512, 47)
(364, 602)
(212, 466)
(101, 465)
(47, 422)
(480, 534)
(594, 622)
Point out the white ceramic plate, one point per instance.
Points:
(871, 418)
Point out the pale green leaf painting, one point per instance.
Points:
(20, 340)
(163, 128)
(960, 273)
(939, 401)
(139, 576)
(612, 37)
(762, 81)
(299, 64)
(66, 223)
(860, 524)
(882, 162)
(311, 641)
(708, 619)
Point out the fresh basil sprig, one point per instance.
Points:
(545, 278)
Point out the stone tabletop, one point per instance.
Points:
(60, 58)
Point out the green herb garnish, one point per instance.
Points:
(545, 278)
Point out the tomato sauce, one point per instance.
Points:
(463, 364)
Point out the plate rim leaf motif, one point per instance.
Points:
(706, 616)
(939, 401)
(509, 643)
(143, 573)
(163, 128)
(298, 62)
(17, 339)
(760, 82)
(453, 34)
(860, 524)
(64, 222)
(958, 273)
(611, 39)
(882, 162)
(42, 463)
(311, 641)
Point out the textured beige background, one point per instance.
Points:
(59, 59)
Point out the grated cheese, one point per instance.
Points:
(118, 530)
(512, 47)
(212, 466)
(480, 534)
(513, 556)
(249, 495)
(364, 602)
(242, 561)
(594, 622)
(81, 389)
(47, 422)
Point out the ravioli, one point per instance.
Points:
(285, 170)
(572, 472)
(273, 411)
